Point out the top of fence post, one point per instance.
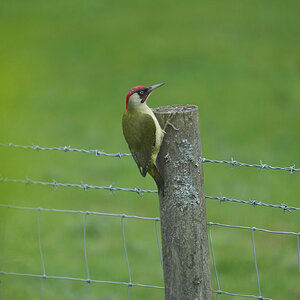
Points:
(182, 207)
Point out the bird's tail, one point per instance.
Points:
(153, 171)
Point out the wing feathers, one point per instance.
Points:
(140, 134)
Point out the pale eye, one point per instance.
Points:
(141, 92)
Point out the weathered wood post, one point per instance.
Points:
(182, 207)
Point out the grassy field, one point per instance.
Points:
(66, 67)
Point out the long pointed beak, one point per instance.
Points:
(150, 90)
(155, 86)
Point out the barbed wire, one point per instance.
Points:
(261, 165)
(66, 149)
(254, 203)
(139, 191)
(120, 154)
(83, 186)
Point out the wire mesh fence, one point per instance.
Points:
(253, 229)
(87, 280)
(130, 283)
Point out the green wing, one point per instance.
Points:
(140, 134)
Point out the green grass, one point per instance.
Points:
(66, 67)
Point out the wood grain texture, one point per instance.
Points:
(182, 207)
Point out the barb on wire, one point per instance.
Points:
(254, 203)
(140, 191)
(120, 154)
(66, 149)
(83, 186)
(235, 163)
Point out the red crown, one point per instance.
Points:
(132, 91)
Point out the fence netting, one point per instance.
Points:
(131, 282)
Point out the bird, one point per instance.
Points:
(142, 132)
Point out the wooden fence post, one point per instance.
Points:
(182, 207)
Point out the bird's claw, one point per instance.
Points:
(169, 123)
(173, 126)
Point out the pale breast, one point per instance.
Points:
(159, 135)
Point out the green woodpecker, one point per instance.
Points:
(142, 132)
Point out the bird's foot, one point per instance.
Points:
(168, 122)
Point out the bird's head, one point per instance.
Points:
(139, 94)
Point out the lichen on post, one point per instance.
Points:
(182, 206)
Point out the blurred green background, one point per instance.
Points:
(66, 67)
